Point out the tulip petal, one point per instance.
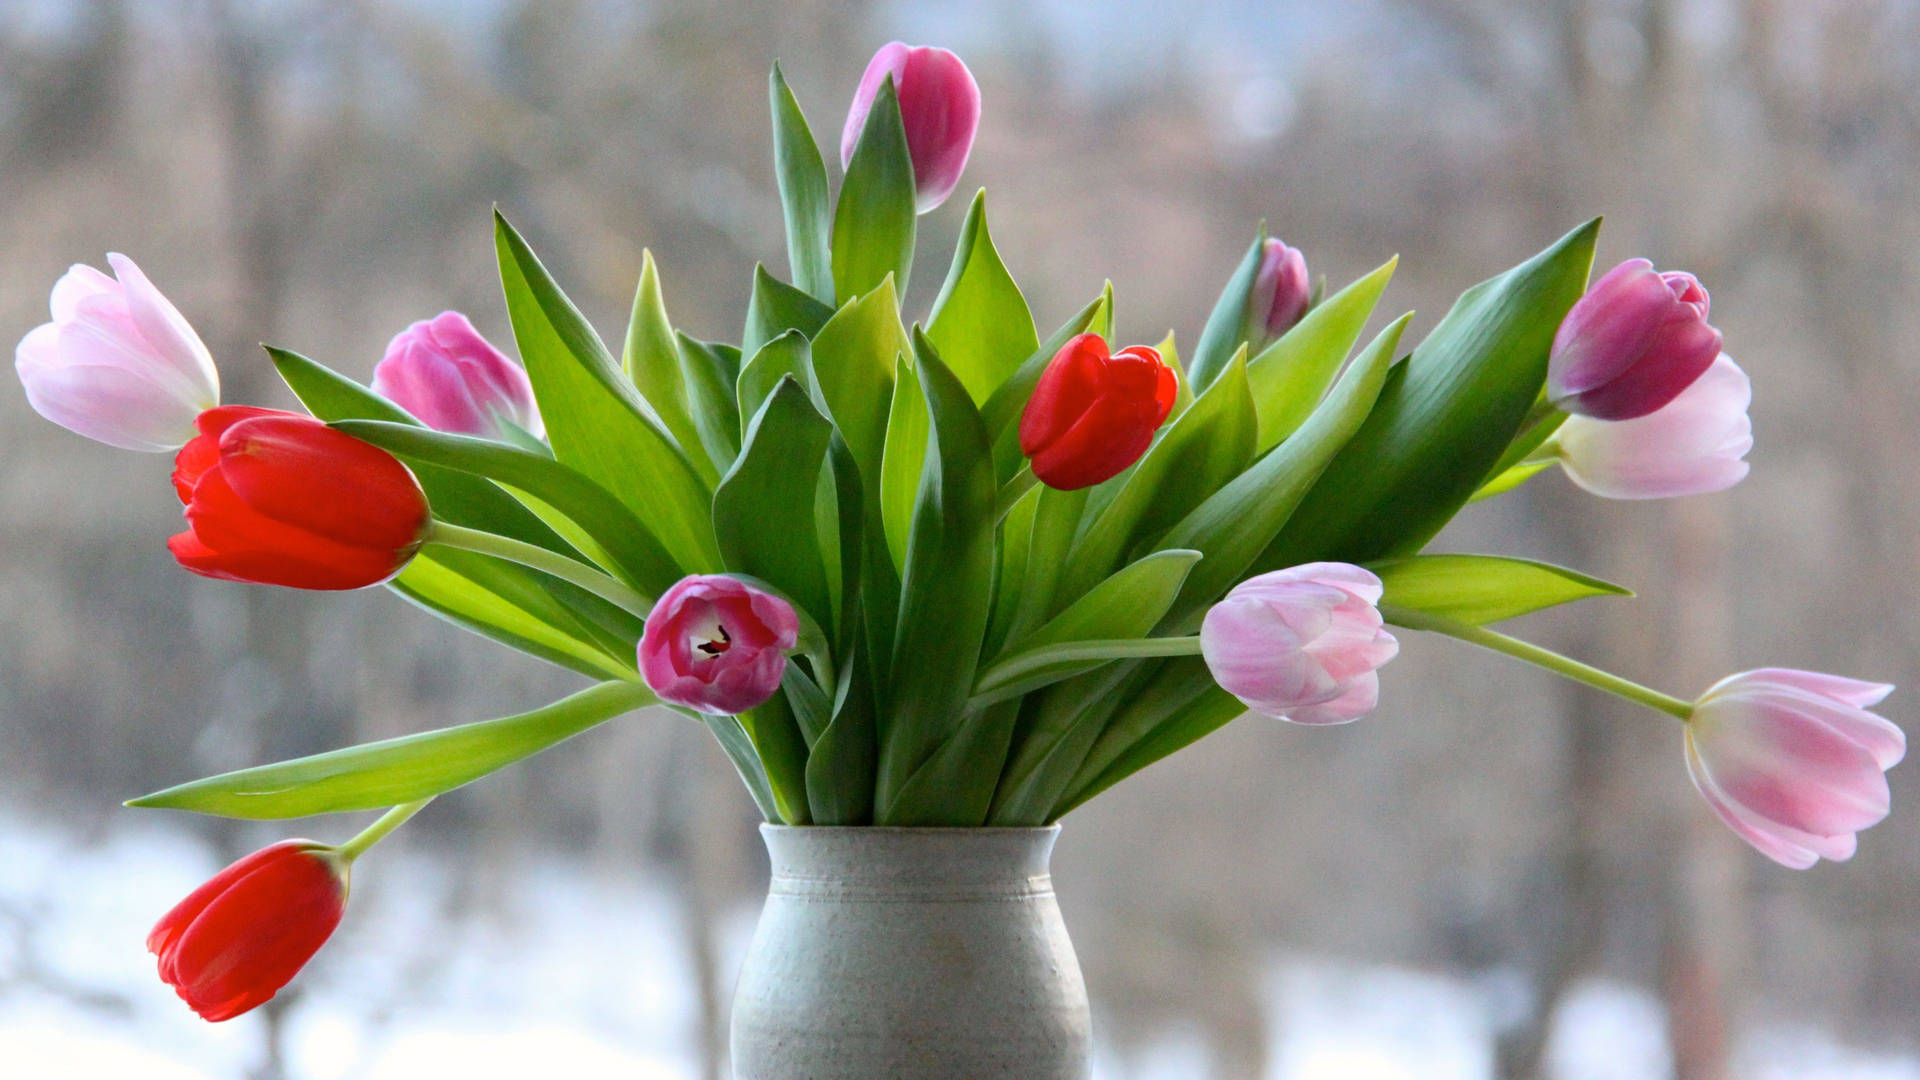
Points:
(1361, 697)
(167, 332)
(1773, 847)
(1690, 447)
(1771, 757)
(304, 474)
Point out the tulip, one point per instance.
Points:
(1631, 344)
(717, 644)
(1093, 414)
(118, 363)
(443, 372)
(1691, 446)
(939, 107)
(283, 499)
(1280, 293)
(235, 941)
(1302, 644)
(1792, 761)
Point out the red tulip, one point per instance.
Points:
(1094, 414)
(282, 499)
(235, 941)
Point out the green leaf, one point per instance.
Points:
(763, 512)
(658, 371)
(853, 362)
(1482, 589)
(1179, 706)
(1016, 539)
(1225, 331)
(905, 453)
(378, 775)
(782, 752)
(873, 222)
(1057, 726)
(595, 419)
(1509, 479)
(1183, 396)
(520, 608)
(777, 307)
(1056, 521)
(1440, 427)
(783, 356)
(802, 176)
(1002, 410)
(1290, 376)
(1235, 523)
(840, 768)
(980, 322)
(954, 787)
(946, 590)
(711, 372)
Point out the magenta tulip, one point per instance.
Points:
(1631, 344)
(118, 363)
(443, 372)
(1792, 761)
(939, 107)
(1280, 293)
(1692, 446)
(1302, 644)
(717, 644)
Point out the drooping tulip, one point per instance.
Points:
(282, 499)
(1280, 293)
(1792, 761)
(1631, 344)
(1693, 445)
(118, 363)
(1092, 413)
(443, 372)
(236, 940)
(939, 107)
(1303, 644)
(717, 644)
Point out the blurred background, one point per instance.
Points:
(1497, 875)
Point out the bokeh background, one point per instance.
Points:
(1495, 876)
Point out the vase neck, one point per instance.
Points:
(910, 863)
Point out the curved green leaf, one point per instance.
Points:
(802, 177)
(873, 222)
(1226, 328)
(785, 355)
(852, 369)
(980, 322)
(777, 307)
(1290, 376)
(656, 369)
(1482, 589)
(764, 510)
(901, 460)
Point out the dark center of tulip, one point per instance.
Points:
(715, 648)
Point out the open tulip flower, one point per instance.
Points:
(951, 567)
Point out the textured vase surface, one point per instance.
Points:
(910, 954)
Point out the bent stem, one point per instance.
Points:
(1025, 663)
(1533, 654)
(600, 584)
(378, 831)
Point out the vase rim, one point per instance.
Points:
(771, 828)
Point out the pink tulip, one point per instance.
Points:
(717, 644)
(1792, 761)
(939, 106)
(1301, 644)
(1280, 294)
(1631, 344)
(118, 363)
(443, 372)
(1692, 446)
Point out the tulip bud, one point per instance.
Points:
(717, 644)
(1280, 293)
(939, 107)
(1093, 414)
(118, 363)
(443, 372)
(1792, 761)
(235, 941)
(1691, 446)
(282, 499)
(1302, 644)
(1631, 344)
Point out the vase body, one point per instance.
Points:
(910, 954)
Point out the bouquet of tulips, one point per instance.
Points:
(931, 568)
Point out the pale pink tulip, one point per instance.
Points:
(1792, 761)
(118, 363)
(1692, 446)
(1301, 644)
(443, 372)
(1280, 293)
(717, 644)
(1631, 344)
(939, 107)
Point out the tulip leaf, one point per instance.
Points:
(712, 373)
(596, 421)
(947, 588)
(1183, 396)
(763, 511)
(1508, 479)
(802, 176)
(378, 775)
(841, 766)
(1290, 376)
(1056, 521)
(1016, 540)
(733, 740)
(1177, 707)
(657, 370)
(1482, 589)
(852, 368)
(783, 356)
(954, 787)
(1058, 724)
(873, 223)
(905, 453)
(1442, 424)
(775, 308)
(980, 322)
(1226, 326)
(782, 752)
(523, 609)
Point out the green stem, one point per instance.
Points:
(378, 831)
(1546, 658)
(547, 562)
(1026, 663)
(1012, 490)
